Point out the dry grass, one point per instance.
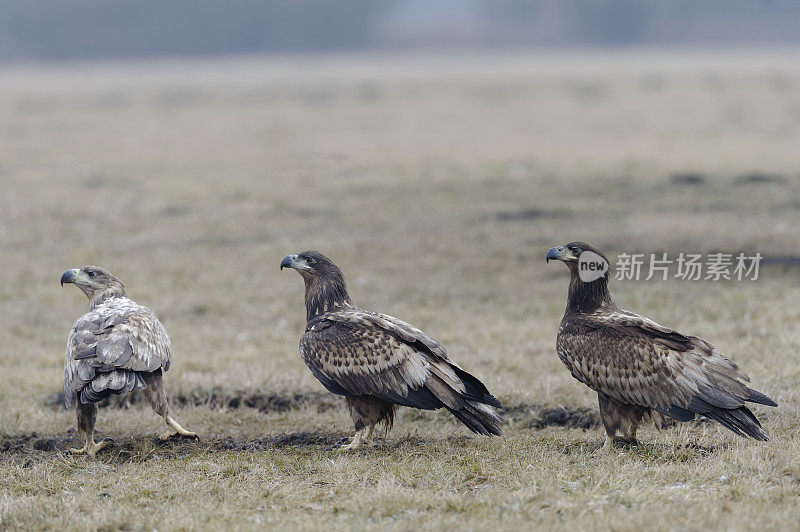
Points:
(437, 184)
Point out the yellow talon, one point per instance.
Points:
(91, 448)
(175, 428)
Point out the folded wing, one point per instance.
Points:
(356, 352)
(109, 347)
(637, 361)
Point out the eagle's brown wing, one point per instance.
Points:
(355, 352)
(405, 331)
(109, 346)
(637, 361)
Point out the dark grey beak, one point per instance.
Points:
(555, 253)
(288, 261)
(69, 276)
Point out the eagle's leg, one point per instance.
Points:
(620, 417)
(87, 415)
(157, 398)
(368, 437)
(630, 433)
(633, 417)
(356, 442)
(611, 416)
(366, 412)
(362, 438)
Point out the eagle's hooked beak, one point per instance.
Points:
(289, 261)
(70, 276)
(560, 253)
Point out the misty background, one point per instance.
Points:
(87, 29)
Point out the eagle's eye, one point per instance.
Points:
(310, 260)
(91, 274)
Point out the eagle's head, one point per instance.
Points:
(94, 281)
(589, 269)
(312, 264)
(325, 286)
(570, 254)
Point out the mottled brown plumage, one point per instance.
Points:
(637, 366)
(379, 362)
(117, 347)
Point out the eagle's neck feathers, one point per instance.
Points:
(589, 297)
(326, 295)
(100, 297)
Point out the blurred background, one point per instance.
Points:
(95, 29)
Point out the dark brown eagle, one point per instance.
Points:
(117, 347)
(636, 365)
(378, 362)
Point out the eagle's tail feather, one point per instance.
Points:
(476, 390)
(760, 398)
(740, 421)
(478, 418)
(471, 403)
(115, 382)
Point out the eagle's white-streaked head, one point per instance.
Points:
(97, 283)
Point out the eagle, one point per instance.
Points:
(637, 366)
(117, 347)
(378, 362)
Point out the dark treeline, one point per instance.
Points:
(64, 29)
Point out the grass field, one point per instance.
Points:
(437, 184)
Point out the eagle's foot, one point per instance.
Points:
(91, 448)
(176, 430)
(612, 441)
(609, 445)
(350, 447)
(356, 443)
(168, 434)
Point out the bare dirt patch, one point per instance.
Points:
(524, 415)
(34, 446)
(541, 416)
(33, 441)
(220, 399)
(535, 416)
(29, 444)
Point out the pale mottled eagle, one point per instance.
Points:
(636, 365)
(115, 348)
(378, 362)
